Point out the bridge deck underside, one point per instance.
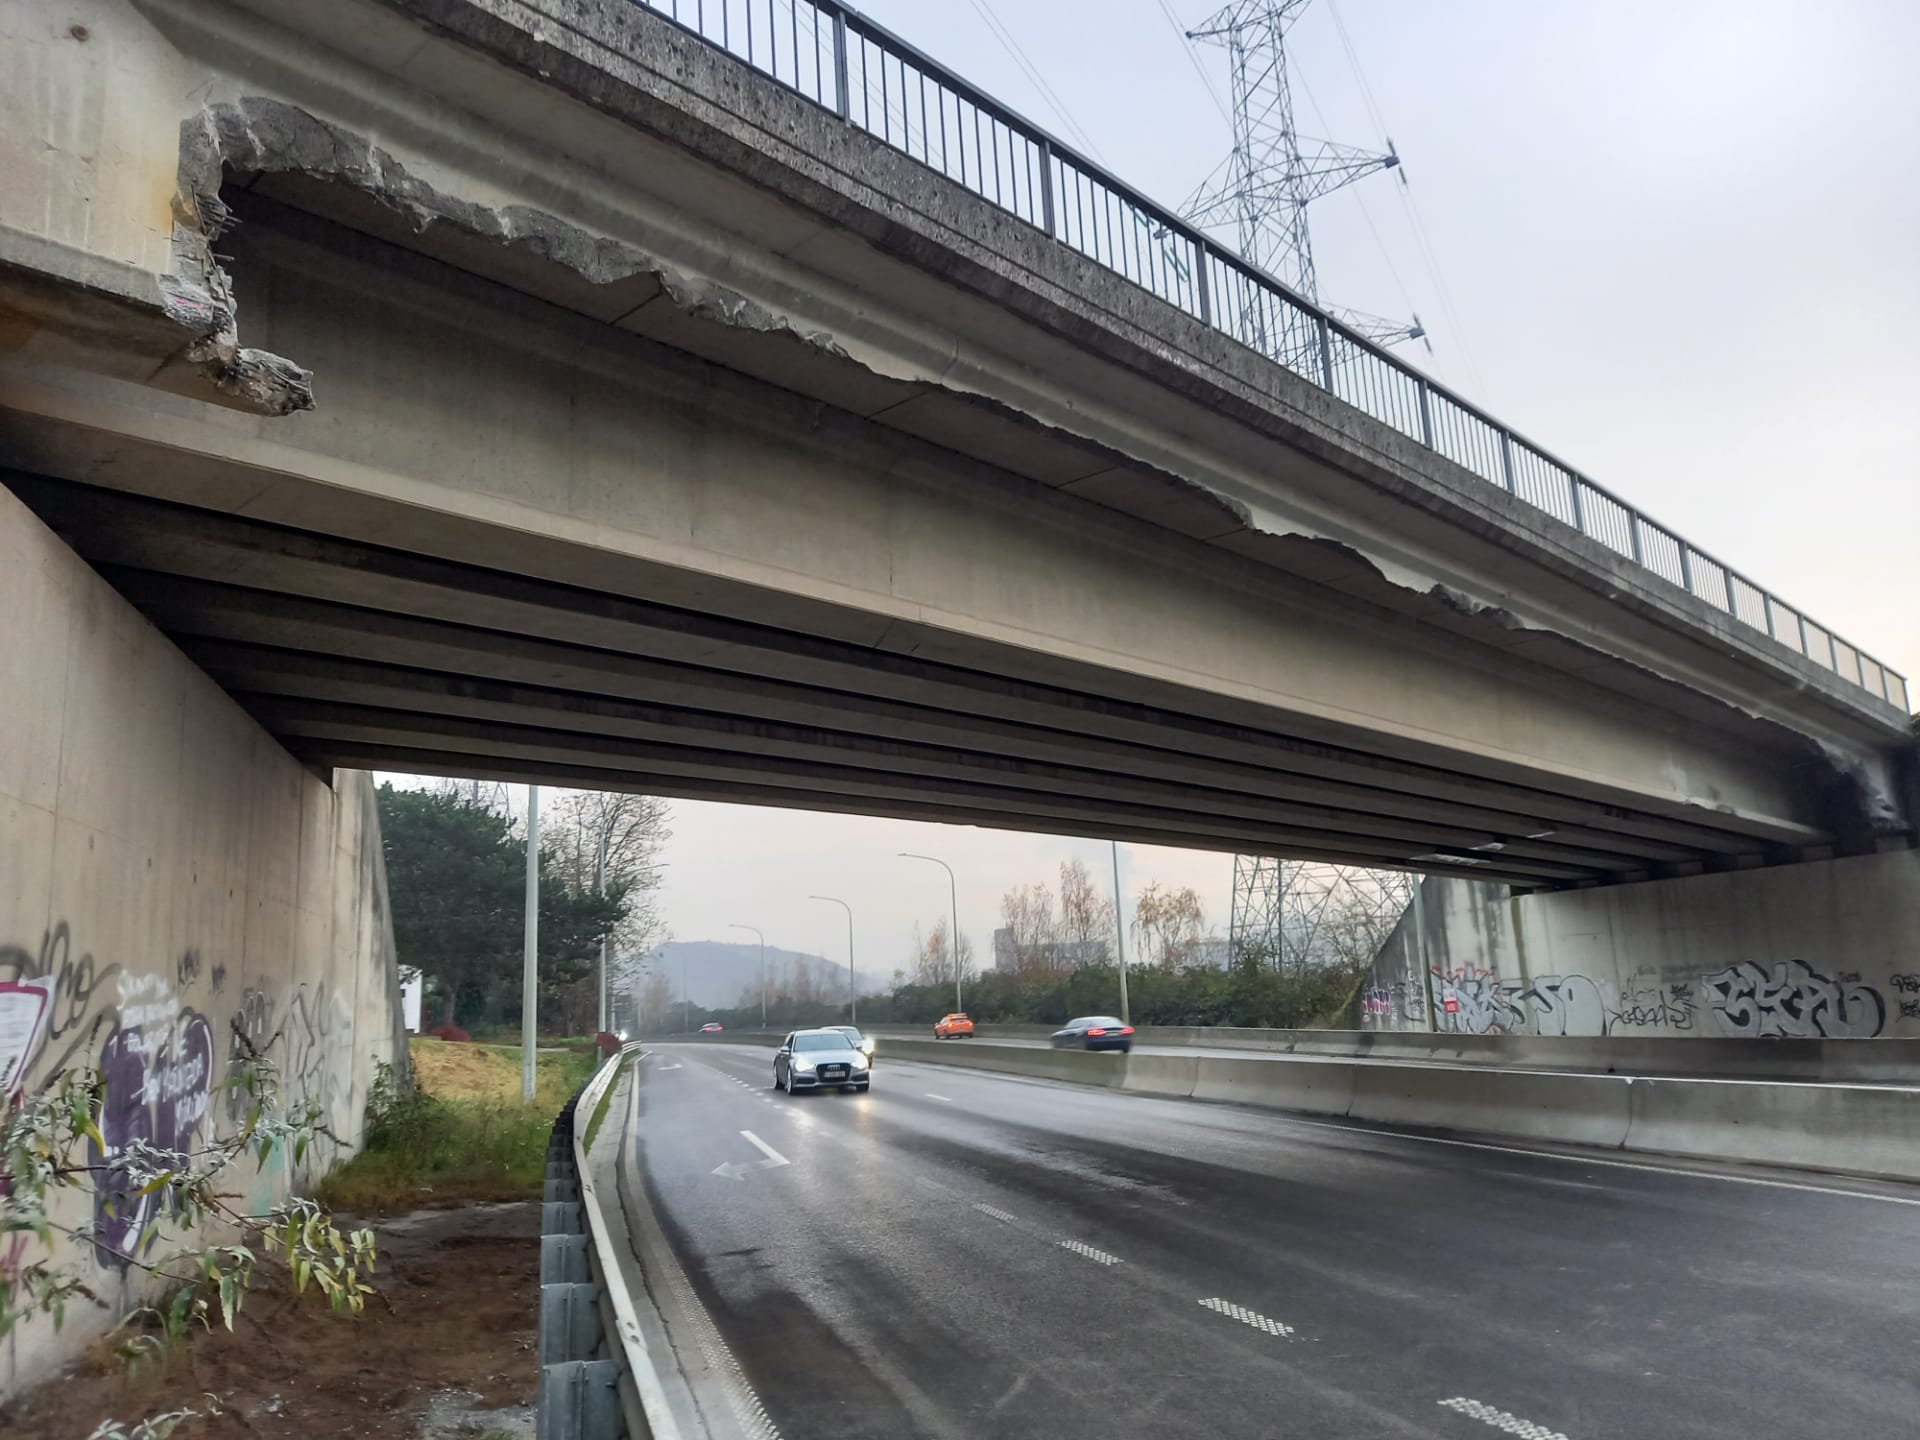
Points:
(356, 655)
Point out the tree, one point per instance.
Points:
(1168, 924)
(1027, 913)
(634, 830)
(933, 956)
(1086, 915)
(456, 873)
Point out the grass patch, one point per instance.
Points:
(606, 1099)
(463, 1134)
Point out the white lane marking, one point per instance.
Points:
(1099, 1257)
(1612, 1164)
(941, 1098)
(1246, 1316)
(738, 1169)
(996, 1213)
(1500, 1419)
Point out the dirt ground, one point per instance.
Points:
(454, 1359)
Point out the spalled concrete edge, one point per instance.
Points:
(1870, 1131)
(648, 1393)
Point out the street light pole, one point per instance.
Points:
(600, 888)
(853, 990)
(953, 888)
(529, 960)
(763, 969)
(1119, 934)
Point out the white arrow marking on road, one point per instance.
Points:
(737, 1169)
(666, 1067)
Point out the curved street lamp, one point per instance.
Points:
(953, 889)
(853, 990)
(763, 969)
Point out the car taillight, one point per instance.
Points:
(1097, 1030)
(1126, 1029)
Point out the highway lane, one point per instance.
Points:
(963, 1254)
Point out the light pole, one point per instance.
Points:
(600, 888)
(529, 961)
(953, 890)
(763, 969)
(1119, 934)
(686, 1005)
(853, 991)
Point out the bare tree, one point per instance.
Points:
(1168, 924)
(933, 956)
(621, 837)
(1086, 915)
(1027, 913)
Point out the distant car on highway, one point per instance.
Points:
(953, 1027)
(862, 1043)
(1094, 1032)
(815, 1059)
(712, 1027)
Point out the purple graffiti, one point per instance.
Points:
(158, 1079)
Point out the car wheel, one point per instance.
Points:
(776, 1079)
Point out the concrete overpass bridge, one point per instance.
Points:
(540, 390)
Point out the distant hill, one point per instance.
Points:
(718, 971)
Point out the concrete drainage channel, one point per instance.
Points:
(597, 1377)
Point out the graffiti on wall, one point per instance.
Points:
(158, 1070)
(74, 1014)
(1565, 1005)
(1473, 1001)
(1382, 1005)
(1648, 1003)
(1792, 1000)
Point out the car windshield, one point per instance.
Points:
(835, 1041)
(1094, 1022)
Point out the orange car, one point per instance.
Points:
(953, 1027)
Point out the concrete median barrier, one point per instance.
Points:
(1076, 1066)
(1536, 1105)
(1857, 1129)
(1174, 1075)
(1278, 1084)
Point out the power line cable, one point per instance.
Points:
(1193, 59)
(1019, 56)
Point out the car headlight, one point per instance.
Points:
(866, 1049)
(800, 1064)
(859, 1062)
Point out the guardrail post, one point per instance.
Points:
(1766, 608)
(843, 100)
(1426, 414)
(1833, 654)
(1733, 606)
(1802, 621)
(1506, 461)
(1046, 184)
(1686, 567)
(1326, 352)
(1202, 284)
(1579, 511)
(1633, 536)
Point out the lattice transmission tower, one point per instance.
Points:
(1298, 914)
(1274, 173)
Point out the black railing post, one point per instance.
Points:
(1046, 187)
(843, 99)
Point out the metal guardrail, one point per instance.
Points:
(841, 60)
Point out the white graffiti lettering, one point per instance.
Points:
(1794, 1001)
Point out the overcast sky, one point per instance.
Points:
(1681, 245)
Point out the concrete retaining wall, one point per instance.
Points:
(178, 881)
(1856, 1129)
(1820, 951)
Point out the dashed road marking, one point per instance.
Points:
(1099, 1257)
(941, 1098)
(1500, 1419)
(1246, 1316)
(997, 1213)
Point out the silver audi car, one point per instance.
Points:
(816, 1059)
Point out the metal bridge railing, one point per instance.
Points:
(841, 60)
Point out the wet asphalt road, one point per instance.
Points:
(962, 1254)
